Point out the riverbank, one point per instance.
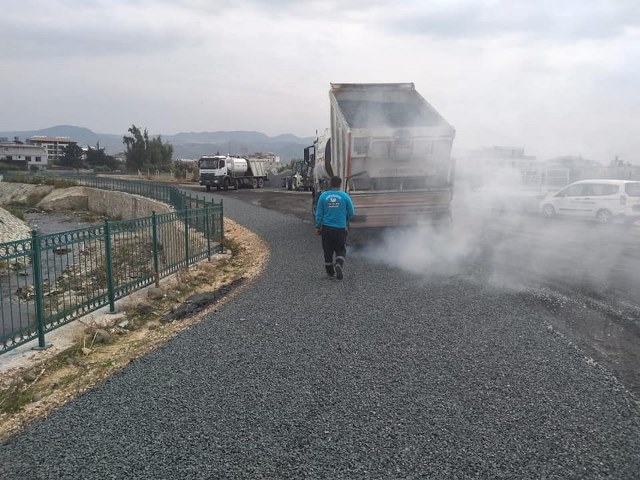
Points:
(12, 228)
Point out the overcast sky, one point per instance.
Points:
(557, 77)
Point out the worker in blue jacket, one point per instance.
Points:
(333, 211)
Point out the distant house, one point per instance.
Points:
(488, 165)
(499, 158)
(581, 168)
(53, 145)
(24, 157)
(569, 168)
(120, 157)
(190, 161)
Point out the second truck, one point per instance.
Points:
(392, 150)
(227, 172)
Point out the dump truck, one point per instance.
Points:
(392, 150)
(226, 172)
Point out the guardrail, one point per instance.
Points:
(49, 280)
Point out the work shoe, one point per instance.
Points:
(330, 271)
(338, 268)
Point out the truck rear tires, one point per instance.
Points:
(261, 183)
(254, 183)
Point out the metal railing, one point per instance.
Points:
(49, 280)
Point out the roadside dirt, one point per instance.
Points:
(46, 380)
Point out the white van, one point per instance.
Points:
(601, 200)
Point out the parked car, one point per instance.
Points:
(601, 200)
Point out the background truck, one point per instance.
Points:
(302, 175)
(231, 172)
(392, 150)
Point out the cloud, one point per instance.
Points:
(554, 78)
(568, 20)
(62, 28)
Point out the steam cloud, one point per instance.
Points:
(497, 236)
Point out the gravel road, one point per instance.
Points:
(385, 375)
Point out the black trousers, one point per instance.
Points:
(334, 241)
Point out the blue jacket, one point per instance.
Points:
(334, 209)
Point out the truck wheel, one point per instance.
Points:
(208, 188)
(226, 184)
(254, 183)
(261, 183)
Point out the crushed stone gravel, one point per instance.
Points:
(384, 375)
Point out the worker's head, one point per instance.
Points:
(336, 182)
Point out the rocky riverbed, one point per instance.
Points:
(22, 195)
(44, 208)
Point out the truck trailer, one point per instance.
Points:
(226, 172)
(392, 150)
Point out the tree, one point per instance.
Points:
(184, 168)
(289, 166)
(143, 153)
(96, 157)
(71, 156)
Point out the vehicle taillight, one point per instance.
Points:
(623, 200)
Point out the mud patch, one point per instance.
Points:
(610, 336)
(200, 302)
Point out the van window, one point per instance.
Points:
(572, 191)
(632, 189)
(603, 189)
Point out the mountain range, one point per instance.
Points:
(186, 144)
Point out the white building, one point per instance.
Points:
(53, 145)
(26, 157)
(487, 165)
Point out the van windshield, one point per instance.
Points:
(632, 189)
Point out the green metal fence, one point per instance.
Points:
(49, 280)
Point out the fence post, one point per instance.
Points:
(36, 263)
(206, 228)
(156, 268)
(186, 235)
(221, 227)
(107, 254)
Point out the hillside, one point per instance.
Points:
(185, 144)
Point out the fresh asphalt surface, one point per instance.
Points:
(384, 375)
